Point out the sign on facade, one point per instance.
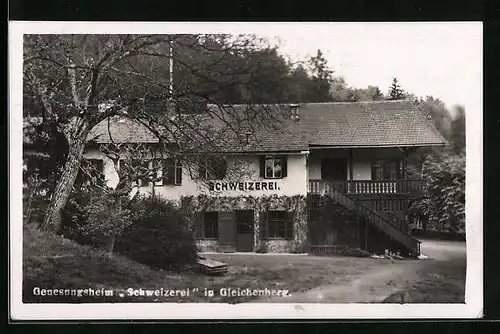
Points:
(243, 186)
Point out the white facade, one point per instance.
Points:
(302, 167)
(295, 183)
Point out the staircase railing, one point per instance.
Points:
(379, 222)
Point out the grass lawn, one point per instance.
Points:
(52, 262)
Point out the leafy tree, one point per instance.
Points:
(299, 86)
(108, 218)
(375, 93)
(76, 81)
(443, 208)
(372, 93)
(395, 91)
(458, 130)
(321, 78)
(437, 112)
(340, 92)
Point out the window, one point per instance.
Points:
(91, 172)
(172, 172)
(279, 225)
(273, 167)
(212, 168)
(388, 169)
(140, 170)
(211, 225)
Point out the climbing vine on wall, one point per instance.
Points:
(296, 204)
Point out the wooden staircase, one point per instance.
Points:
(391, 229)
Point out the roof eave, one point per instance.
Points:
(315, 146)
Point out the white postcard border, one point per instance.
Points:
(472, 308)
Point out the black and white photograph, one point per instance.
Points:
(245, 170)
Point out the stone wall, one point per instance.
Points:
(207, 245)
(296, 204)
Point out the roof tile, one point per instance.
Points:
(358, 124)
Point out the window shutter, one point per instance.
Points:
(289, 224)
(220, 168)
(263, 233)
(99, 165)
(158, 166)
(262, 166)
(198, 224)
(168, 171)
(284, 166)
(100, 172)
(178, 173)
(129, 165)
(202, 169)
(145, 170)
(135, 166)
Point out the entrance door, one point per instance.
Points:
(244, 230)
(334, 169)
(227, 232)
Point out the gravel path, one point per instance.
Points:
(376, 284)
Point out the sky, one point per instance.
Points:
(442, 59)
(439, 59)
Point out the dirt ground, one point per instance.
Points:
(51, 261)
(438, 279)
(402, 278)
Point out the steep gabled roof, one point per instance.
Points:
(350, 124)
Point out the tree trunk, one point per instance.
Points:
(52, 219)
(110, 244)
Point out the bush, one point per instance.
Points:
(74, 217)
(355, 252)
(156, 233)
(158, 236)
(261, 248)
(300, 247)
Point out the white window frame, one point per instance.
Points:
(273, 158)
(177, 169)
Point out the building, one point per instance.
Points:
(334, 176)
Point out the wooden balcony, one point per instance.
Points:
(368, 187)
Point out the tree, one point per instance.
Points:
(438, 113)
(395, 91)
(340, 92)
(458, 130)
(372, 93)
(321, 78)
(375, 93)
(78, 81)
(443, 207)
(298, 86)
(108, 218)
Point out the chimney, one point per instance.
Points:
(294, 108)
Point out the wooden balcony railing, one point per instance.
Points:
(392, 228)
(368, 187)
